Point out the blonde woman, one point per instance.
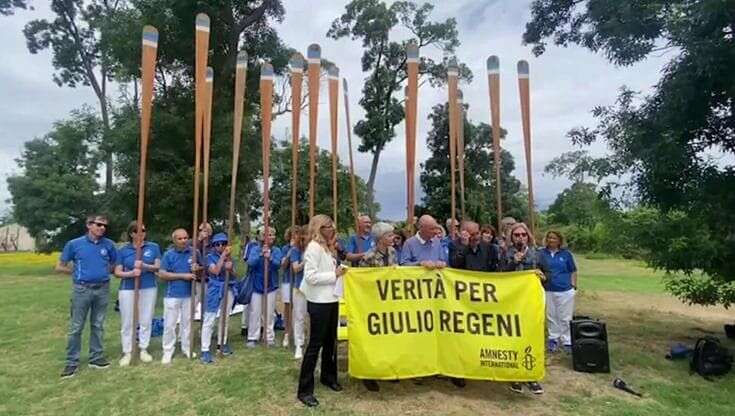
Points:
(321, 272)
(299, 301)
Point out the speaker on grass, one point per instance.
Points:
(589, 346)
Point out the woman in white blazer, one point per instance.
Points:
(321, 271)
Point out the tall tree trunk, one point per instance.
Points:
(371, 184)
(106, 145)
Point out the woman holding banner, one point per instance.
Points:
(521, 254)
(382, 255)
(321, 271)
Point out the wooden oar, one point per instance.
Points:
(314, 56)
(452, 74)
(459, 113)
(297, 79)
(206, 145)
(412, 69)
(493, 81)
(201, 27)
(148, 67)
(266, 107)
(524, 92)
(353, 184)
(240, 76)
(333, 76)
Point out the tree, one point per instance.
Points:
(479, 173)
(58, 186)
(7, 6)
(664, 141)
(74, 37)
(384, 60)
(579, 204)
(280, 193)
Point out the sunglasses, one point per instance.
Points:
(99, 224)
(520, 234)
(219, 244)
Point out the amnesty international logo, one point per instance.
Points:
(529, 361)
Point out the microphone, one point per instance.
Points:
(620, 384)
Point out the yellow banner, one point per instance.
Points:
(408, 322)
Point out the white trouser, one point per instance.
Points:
(176, 310)
(559, 311)
(299, 317)
(256, 312)
(286, 292)
(210, 318)
(146, 305)
(244, 318)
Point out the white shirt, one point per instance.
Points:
(320, 277)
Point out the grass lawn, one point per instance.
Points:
(642, 322)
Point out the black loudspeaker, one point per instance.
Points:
(589, 346)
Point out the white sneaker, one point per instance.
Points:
(167, 356)
(285, 340)
(299, 354)
(145, 357)
(125, 360)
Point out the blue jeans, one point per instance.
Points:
(87, 299)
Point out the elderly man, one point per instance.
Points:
(470, 252)
(89, 260)
(423, 249)
(361, 242)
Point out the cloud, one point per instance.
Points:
(566, 83)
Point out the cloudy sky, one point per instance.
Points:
(565, 85)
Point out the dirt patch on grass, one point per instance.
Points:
(658, 303)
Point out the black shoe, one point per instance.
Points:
(309, 401)
(69, 371)
(99, 363)
(459, 382)
(244, 332)
(371, 385)
(334, 386)
(535, 387)
(516, 387)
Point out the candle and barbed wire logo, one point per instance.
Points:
(529, 361)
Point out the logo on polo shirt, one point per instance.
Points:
(188, 260)
(103, 251)
(147, 253)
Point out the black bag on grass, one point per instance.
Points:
(710, 358)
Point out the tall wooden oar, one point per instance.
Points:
(412, 69)
(297, 79)
(150, 48)
(523, 89)
(333, 76)
(452, 74)
(266, 103)
(200, 71)
(240, 75)
(459, 113)
(493, 81)
(206, 142)
(353, 185)
(314, 56)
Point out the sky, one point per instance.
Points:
(566, 83)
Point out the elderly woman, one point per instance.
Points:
(261, 256)
(558, 265)
(521, 254)
(321, 271)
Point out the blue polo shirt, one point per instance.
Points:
(558, 268)
(149, 252)
(255, 263)
(366, 243)
(296, 257)
(286, 273)
(212, 259)
(175, 261)
(92, 259)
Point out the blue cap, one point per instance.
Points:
(219, 238)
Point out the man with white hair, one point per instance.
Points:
(423, 249)
(469, 252)
(361, 242)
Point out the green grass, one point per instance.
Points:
(35, 305)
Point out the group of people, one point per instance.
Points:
(305, 271)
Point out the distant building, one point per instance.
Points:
(14, 237)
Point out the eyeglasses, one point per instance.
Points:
(219, 244)
(99, 224)
(520, 234)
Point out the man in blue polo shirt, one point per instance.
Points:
(89, 260)
(219, 263)
(361, 242)
(424, 249)
(178, 273)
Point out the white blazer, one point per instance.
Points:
(320, 275)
